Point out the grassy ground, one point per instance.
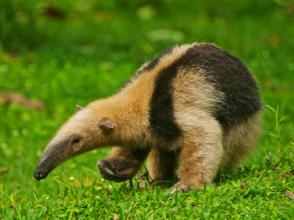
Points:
(86, 50)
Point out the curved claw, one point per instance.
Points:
(181, 187)
(117, 170)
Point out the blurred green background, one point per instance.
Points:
(60, 53)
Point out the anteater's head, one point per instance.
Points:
(89, 128)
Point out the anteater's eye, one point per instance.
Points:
(76, 140)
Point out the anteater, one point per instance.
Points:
(192, 111)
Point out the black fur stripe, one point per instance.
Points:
(229, 76)
(162, 120)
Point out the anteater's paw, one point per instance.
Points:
(181, 187)
(117, 170)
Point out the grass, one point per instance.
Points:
(88, 53)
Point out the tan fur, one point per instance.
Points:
(240, 140)
(130, 107)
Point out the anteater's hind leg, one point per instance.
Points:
(240, 140)
(201, 155)
(162, 165)
(122, 163)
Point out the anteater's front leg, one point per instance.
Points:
(200, 157)
(122, 163)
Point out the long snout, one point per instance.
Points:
(55, 154)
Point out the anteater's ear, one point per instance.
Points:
(106, 124)
(78, 107)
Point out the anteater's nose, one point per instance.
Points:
(40, 173)
(42, 169)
